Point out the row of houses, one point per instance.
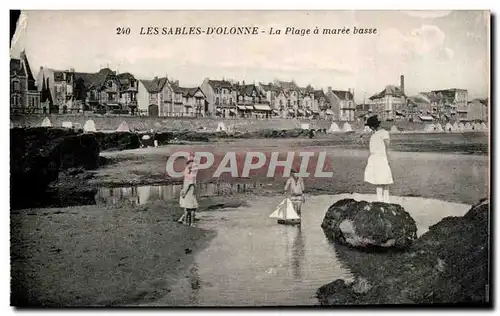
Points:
(392, 103)
(107, 91)
(66, 91)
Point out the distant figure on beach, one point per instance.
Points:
(294, 189)
(378, 171)
(188, 199)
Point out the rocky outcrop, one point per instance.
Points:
(369, 225)
(117, 140)
(39, 154)
(448, 264)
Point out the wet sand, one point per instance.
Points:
(453, 177)
(102, 255)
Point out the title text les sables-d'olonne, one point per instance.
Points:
(246, 30)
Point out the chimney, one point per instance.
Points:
(402, 84)
(243, 83)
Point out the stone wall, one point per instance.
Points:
(108, 122)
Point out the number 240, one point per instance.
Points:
(122, 30)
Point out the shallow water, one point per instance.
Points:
(141, 195)
(254, 261)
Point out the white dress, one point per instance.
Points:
(189, 201)
(377, 169)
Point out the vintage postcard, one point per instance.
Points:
(250, 158)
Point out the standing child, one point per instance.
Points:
(378, 171)
(188, 199)
(295, 188)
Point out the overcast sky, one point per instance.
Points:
(434, 50)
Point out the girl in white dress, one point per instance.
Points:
(188, 199)
(378, 171)
(294, 188)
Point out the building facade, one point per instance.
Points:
(221, 96)
(343, 107)
(24, 95)
(155, 97)
(190, 102)
(67, 91)
(391, 103)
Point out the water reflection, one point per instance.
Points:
(144, 194)
(298, 253)
(253, 261)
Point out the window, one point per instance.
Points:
(16, 86)
(281, 103)
(289, 102)
(110, 84)
(217, 100)
(230, 100)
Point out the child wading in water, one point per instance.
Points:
(187, 199)
(295, 188)
(378, 171)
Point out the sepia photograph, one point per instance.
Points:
(178, 158)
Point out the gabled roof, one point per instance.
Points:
(287, 85)
(155, 85)
(186, 92)
(31, 79)
(389, 90)
(220, 84)
(125, 78)
(269, 87)
(248, 89)
(17, 67)
(95, 80)
(318, 94)
(343, 95)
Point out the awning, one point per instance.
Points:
(249, 107)
(262, 107)
(291, 111)
(329, 112)
(300, 111)
(218, 109)
(399, 113)
(309, 112)
(241, 107)
(315, 112)
(276, 111)
(426, 118)
(232, 111)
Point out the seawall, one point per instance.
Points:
(109, 122)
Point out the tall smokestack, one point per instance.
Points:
(402, 84)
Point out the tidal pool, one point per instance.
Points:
(254, 261)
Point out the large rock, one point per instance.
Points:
(38, 155)
(369, 225)
(117, 140)
(448, 264)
